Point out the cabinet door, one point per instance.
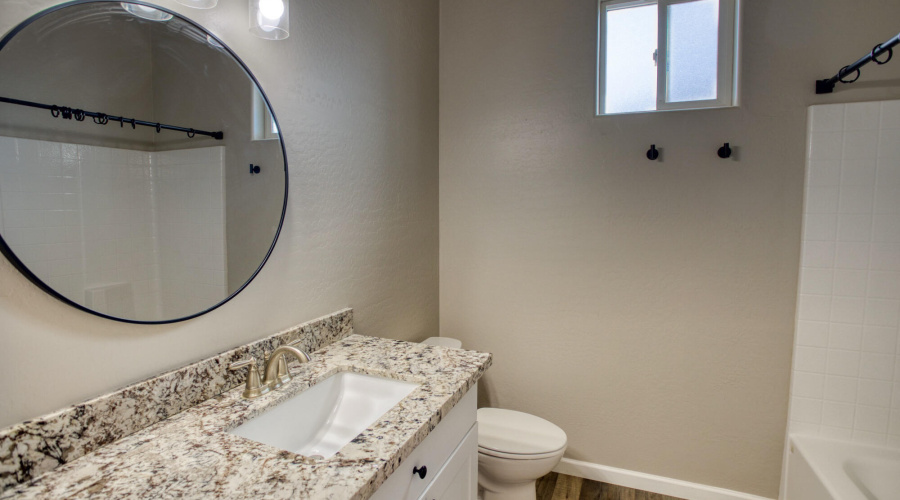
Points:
(433, 453)
(458, 480)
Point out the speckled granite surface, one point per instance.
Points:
(36, 446)
(191, 455)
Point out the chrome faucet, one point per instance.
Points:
(275, 370)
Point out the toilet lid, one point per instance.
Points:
(443, 341)
(509, 431)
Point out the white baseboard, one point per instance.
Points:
(649, 482)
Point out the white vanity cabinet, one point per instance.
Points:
(458, 479)
(449, 455)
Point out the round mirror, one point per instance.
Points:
(142, 174)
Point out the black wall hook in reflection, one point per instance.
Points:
(652, 153)
(254, 169)
(725, 151)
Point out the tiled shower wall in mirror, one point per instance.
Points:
(846, 375)
(99, 223)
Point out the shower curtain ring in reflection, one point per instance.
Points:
(157, 127)
(66, 113)
(132, 123)
(54, 110)
(191, 133)
(890, 54)
(78, 114)
(841, 75)
(101, 119)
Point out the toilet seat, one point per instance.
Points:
(518, 456)
(514, 435)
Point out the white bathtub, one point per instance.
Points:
(823, 469)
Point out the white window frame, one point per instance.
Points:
(263, 121)
(727, 63)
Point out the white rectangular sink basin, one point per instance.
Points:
(322, 419)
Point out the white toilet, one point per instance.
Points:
(514, 448)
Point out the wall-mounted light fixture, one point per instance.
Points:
(145, 12)
(269, 19)
(199, 4)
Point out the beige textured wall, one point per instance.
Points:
(355, 88)
(646, 308)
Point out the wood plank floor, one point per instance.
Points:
(555, 486)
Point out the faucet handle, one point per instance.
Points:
(253, 387)
(237, 365)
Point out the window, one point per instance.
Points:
(660, 55)
(264, 126)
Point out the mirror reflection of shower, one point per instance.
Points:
(125, 232)
(125, 189)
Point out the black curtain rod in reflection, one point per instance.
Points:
(103, 118)
(827, 86)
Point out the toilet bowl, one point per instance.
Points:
(514, 448)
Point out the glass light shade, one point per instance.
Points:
(145, 12)
(199, 4)
(269, 19)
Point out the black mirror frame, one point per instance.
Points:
(18, 264)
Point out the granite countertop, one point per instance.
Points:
(191, 455)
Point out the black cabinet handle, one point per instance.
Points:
(421, 471)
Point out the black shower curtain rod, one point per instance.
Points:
(102, 118)
(827, 86)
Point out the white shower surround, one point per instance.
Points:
(87, 219)
(846, 369)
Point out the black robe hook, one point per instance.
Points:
(725, 151)
(652, 153)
